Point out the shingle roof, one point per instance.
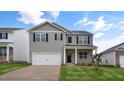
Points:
(82, 32)
(112, 48)
(9, 29)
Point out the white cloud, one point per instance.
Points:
(82, 21)
(54, 14)
(98, 25)
(98, 35)
(107, 43)
(31, 17)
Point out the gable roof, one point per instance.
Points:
(112, 48)
(51, 23)
(81, 32)
(9, 29)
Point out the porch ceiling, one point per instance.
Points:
(81, 47)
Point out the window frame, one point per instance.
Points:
(70, 39)
(84, 40)
(40, 37)
(83, 55)
(58, 36)
(3, 35)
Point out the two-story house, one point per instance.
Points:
(6, 44)
(52, 44)
(46, 44)
(14, 44)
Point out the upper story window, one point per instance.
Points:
(58, 36)
(40, 37)
(69, 39)
(3, 35)
(82, 55)
(85, 40)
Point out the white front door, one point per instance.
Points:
(121, 61)
(46, 58)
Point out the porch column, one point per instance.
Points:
(75, 55)
(7, 54)
(64, 56)
(95, 50)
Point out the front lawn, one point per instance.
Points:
(87, 73)
(7, 67)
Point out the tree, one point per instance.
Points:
(96, 60)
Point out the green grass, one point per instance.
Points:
(7, 67)
(88, 73)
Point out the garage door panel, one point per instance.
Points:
(46, 58)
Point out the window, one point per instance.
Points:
(40, 37)
(3, 35)
(82, 55)
(58, 36)
(84, 40)
(3, 51)
(69, 39)
(37, 37)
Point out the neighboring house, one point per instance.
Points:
(12, 44)
(46, 44)
(114, 56)
(52, 44)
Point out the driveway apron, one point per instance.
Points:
(39, 72)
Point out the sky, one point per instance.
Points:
(107, 27)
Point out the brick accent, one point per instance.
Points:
(117, 54)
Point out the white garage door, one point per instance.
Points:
(121, 61)
(46, 58)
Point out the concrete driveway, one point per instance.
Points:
(40, 72)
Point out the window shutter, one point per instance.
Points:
(0, 35)
(6, 35)
(77, 39)
(46, 37)
(61, 36)
(88, 40)
(33, 37)
(55, 36)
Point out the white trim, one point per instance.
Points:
(75, 55)
(49, 31)
(7, 54)
(114, 59)
(64, 56)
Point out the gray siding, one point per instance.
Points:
(110, 57)
(89, 58)
(46, 27)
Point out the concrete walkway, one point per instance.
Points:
(42, 72)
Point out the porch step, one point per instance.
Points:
(70, 64)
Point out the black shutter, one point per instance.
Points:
(55, 36)
(77, 39)
(61, 36)
(33, 37)
(46, 37)
(6, 35)
(0, 35)
(88, 40)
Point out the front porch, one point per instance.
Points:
(78, 54)
(6, 53)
